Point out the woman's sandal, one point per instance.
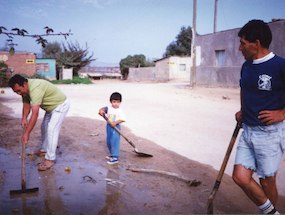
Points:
(46, 164)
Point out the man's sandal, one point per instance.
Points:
(40, 153)
(46, 164)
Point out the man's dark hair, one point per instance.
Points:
(17, 79)
(116, 96)
(256, 30)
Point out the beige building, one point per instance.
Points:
(172, 68)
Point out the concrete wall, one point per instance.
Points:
(278, 38)
(162, 70)
(46, 68)
(210, 74)
(142, 74)
(66, 74)
(218, 77)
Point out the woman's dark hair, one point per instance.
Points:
(256, 30)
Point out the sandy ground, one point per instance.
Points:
(186, 130)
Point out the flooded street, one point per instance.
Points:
(82, 182)
(189, 145)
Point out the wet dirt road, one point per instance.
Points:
(94, 187)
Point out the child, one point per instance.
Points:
(115, 117)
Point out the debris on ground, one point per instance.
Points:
(193, 182)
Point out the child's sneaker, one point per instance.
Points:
(113, 161)
(108, 157)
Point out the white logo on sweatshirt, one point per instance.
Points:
(264, 82)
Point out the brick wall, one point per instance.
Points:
(22, 63)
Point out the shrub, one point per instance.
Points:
(4, 74)
(75, 80)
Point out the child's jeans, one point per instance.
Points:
(113, 141)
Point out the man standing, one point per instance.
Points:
(36, 94)
(261, 145)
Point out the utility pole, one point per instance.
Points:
(193, 48)
(215, 16)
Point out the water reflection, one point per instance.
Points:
(113, 192)
(52, 201)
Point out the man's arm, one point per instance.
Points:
(269, 117)
(25, 113)
(31, 124)
(238, 114)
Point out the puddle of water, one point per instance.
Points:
(87, 189)
(80, 184)
(4, 151)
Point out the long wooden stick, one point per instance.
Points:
(23, 175)
(141, 154)
(23, 167)
(187, 180)
(210, 205)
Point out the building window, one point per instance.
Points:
(220, 57)
(30, 61)
(42, 67)
(182, 67)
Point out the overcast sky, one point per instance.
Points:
(114, 29)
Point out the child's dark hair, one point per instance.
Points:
(116, 96)
(17, 79)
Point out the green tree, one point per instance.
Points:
(52, 50)
(182, 45)
(133, 61)
(70, 55)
